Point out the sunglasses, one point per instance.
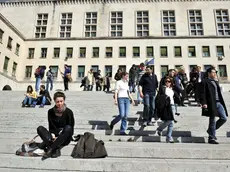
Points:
(168, 81)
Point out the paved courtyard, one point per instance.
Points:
(140, 151)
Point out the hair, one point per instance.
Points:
(142, 65)
(170, 70)
(169, 78)
(209, 70)
(148, 67)
(43, 86)
(59, 94)
(124, 73)
(31, 88)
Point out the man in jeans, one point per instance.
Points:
(212, 104)
(147, 87)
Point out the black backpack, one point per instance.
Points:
(88, 147)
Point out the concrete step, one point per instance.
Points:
(149, 150)
(115, 164)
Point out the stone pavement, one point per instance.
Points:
(140, 151)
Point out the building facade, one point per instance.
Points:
(112, 34)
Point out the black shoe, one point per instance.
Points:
(123, 134)
(47, 155)
(56, 153)
(23, 105)
(213, 142)
(212, 136)
(178, 114)
(111, 126)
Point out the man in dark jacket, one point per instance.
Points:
(171, 74)
(147, 88)
(132, 78)
(212, 104)
(43, 98)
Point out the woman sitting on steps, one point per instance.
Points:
(31, 96)
(61, 128)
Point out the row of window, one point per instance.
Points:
(10, 43)
(195, 23)
(136, 51)
(108, 69)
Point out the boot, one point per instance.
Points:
(56, 153)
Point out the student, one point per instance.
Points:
(30, 97)
(122, 99)
(61, 128)
(44, 97)
(166, 108)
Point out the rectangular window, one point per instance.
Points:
(31, 53)
(164, 51)
(150, 52)
(192, 51)
(69, 52)
(206, 67)
(177, 51)
(14, 69)
(43, 52)
(136, 51)
(82, 52)
(122, 67)
(17, 49)
(56, 52)
(169, 23)
(142, 23)
(91, 24)
(109, 52)
(222, 71)
(9, 44)
(41, 26)
(95, 68)
(122, 51)
(116, 24)
(219, 51)
(6, 63)
(1, 35)
(178, 67)
(95, 51)
(109, 70)
(55, 71)
(81, 72)
(205, 51)
(222, 22)
(28, 72)
(66, 25)
(164, 70)
(195, 22)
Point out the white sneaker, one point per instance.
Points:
(39, 151)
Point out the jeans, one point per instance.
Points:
(149, 107)
(213, 124)
(42, 100)
(123, 106)
(62, 140)
(37, 84)
(28, 100)
(49, 82)
(98, 86)
(169, 124)
(132, 86)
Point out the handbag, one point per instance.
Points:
(29, 149)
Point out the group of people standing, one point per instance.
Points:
(161, 99)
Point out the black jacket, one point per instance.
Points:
(117, 76)
(208, 97)
(56, 123)
(149, 84)
(46, 94)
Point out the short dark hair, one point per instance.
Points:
(142, 65)
(59, 94)
(43, 86)
(209, 70)
(170, 70)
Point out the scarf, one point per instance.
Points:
(59, 111)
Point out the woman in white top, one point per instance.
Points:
(167, 116)
(122, 99)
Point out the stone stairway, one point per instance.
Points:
(141, 150)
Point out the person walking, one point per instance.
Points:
(166, 108)
(90, 80)
(213, 104)
(132, 78)
(66, 76)
(147, 88)
(140, 73)
(39, 74)
(49, 80)
(122, 99)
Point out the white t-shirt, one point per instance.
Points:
(122, 88)
(169, 92)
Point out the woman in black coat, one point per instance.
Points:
(166, 108)
(61, 128)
